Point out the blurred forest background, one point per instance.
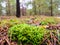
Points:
(30, 7)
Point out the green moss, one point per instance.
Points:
(27, 34)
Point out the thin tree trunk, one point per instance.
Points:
(0, 9)
(8, 7)
(17, 8)
(51, 8)
(39, 11)
(34, 8)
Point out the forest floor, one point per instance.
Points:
(12, 17)
(25, 19)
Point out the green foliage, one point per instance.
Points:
(44, 23)
(26, 34)
(48, 20)
(44, 6)
(10, 22)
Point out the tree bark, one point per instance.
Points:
(8, 7)
(34, 8)
(17, 9)
(51, 8)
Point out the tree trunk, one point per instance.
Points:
(0, 9)
(34, 8)
(39, 10)
(17, 8)
(8, 7)
(51, 9)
